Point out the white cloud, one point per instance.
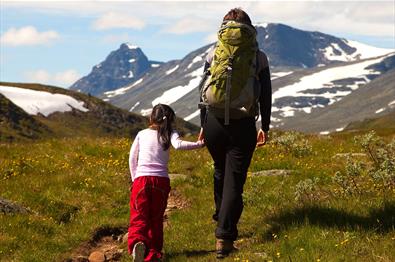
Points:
(190, 25)
(309, 14)
(211, 38)
(118, 20)
(27, 35)
(349, 17)
(64, 78)
(38, 76)
(117, 38)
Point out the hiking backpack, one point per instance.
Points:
(231, 82)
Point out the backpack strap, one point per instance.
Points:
(201, 87)
(229, 70)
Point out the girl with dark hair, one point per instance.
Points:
(149, 156)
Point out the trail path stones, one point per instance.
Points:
(272, 172)
(110, 244)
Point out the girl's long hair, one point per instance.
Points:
(162, 117)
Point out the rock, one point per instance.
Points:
(342, 155)
(81, 259)
(114, 254)
(273, 172)
(7, 207)
(97, 256)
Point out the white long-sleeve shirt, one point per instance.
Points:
(147, 157)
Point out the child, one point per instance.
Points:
(148, 160)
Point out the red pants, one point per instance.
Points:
(148, 201)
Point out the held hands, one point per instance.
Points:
(261, 138)
(201, 137)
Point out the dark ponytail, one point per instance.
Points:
(162, 117)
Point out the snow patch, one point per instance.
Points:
(324, 79)
(39, 102)
(324, 133)
(261, 24)
(329, 53)
(391, 103)
(193, 115)
(367, 51)
(155, 65)
(280, 74)
(133, 107)
(130, 46)
(195, 60)
(122, 90)
(173, 94)
(132, 60)
(131, 75)
(363, 51)
(168, 72)
(380, 110)
(146, 112)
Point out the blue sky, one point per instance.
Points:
(57, 42)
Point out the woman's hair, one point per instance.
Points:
(162, 117)
(238, 15)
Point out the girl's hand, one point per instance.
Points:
(201, 135)
(262, 138)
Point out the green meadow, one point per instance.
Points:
(335, 202)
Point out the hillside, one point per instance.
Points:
(382, 125)
(369, 101)
(303, 201)
(93, 117)
(17, 124)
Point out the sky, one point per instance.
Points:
(58, 42)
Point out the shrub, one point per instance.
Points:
(294, 143)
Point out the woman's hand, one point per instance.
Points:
(262, 138)
(201, 135)
(201, 138)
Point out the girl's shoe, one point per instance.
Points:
(138, 252)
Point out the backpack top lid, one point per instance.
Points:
(236, 33)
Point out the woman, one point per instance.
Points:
(231, 143)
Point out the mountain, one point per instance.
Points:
(31, 111)
(310, 71)
(290, 47)
(121, 67)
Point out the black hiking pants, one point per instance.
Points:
(231, 148)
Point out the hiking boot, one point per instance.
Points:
(223, 247)
(138, 252)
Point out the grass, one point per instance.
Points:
(76, 185)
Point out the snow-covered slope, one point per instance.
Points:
(322, 88)
(40, 102)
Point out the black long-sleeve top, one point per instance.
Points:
(265, 99)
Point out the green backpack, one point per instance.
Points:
(230, 87)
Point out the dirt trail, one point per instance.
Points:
(109, 243)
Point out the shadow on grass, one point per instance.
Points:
(380, 220)
(189, 253)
